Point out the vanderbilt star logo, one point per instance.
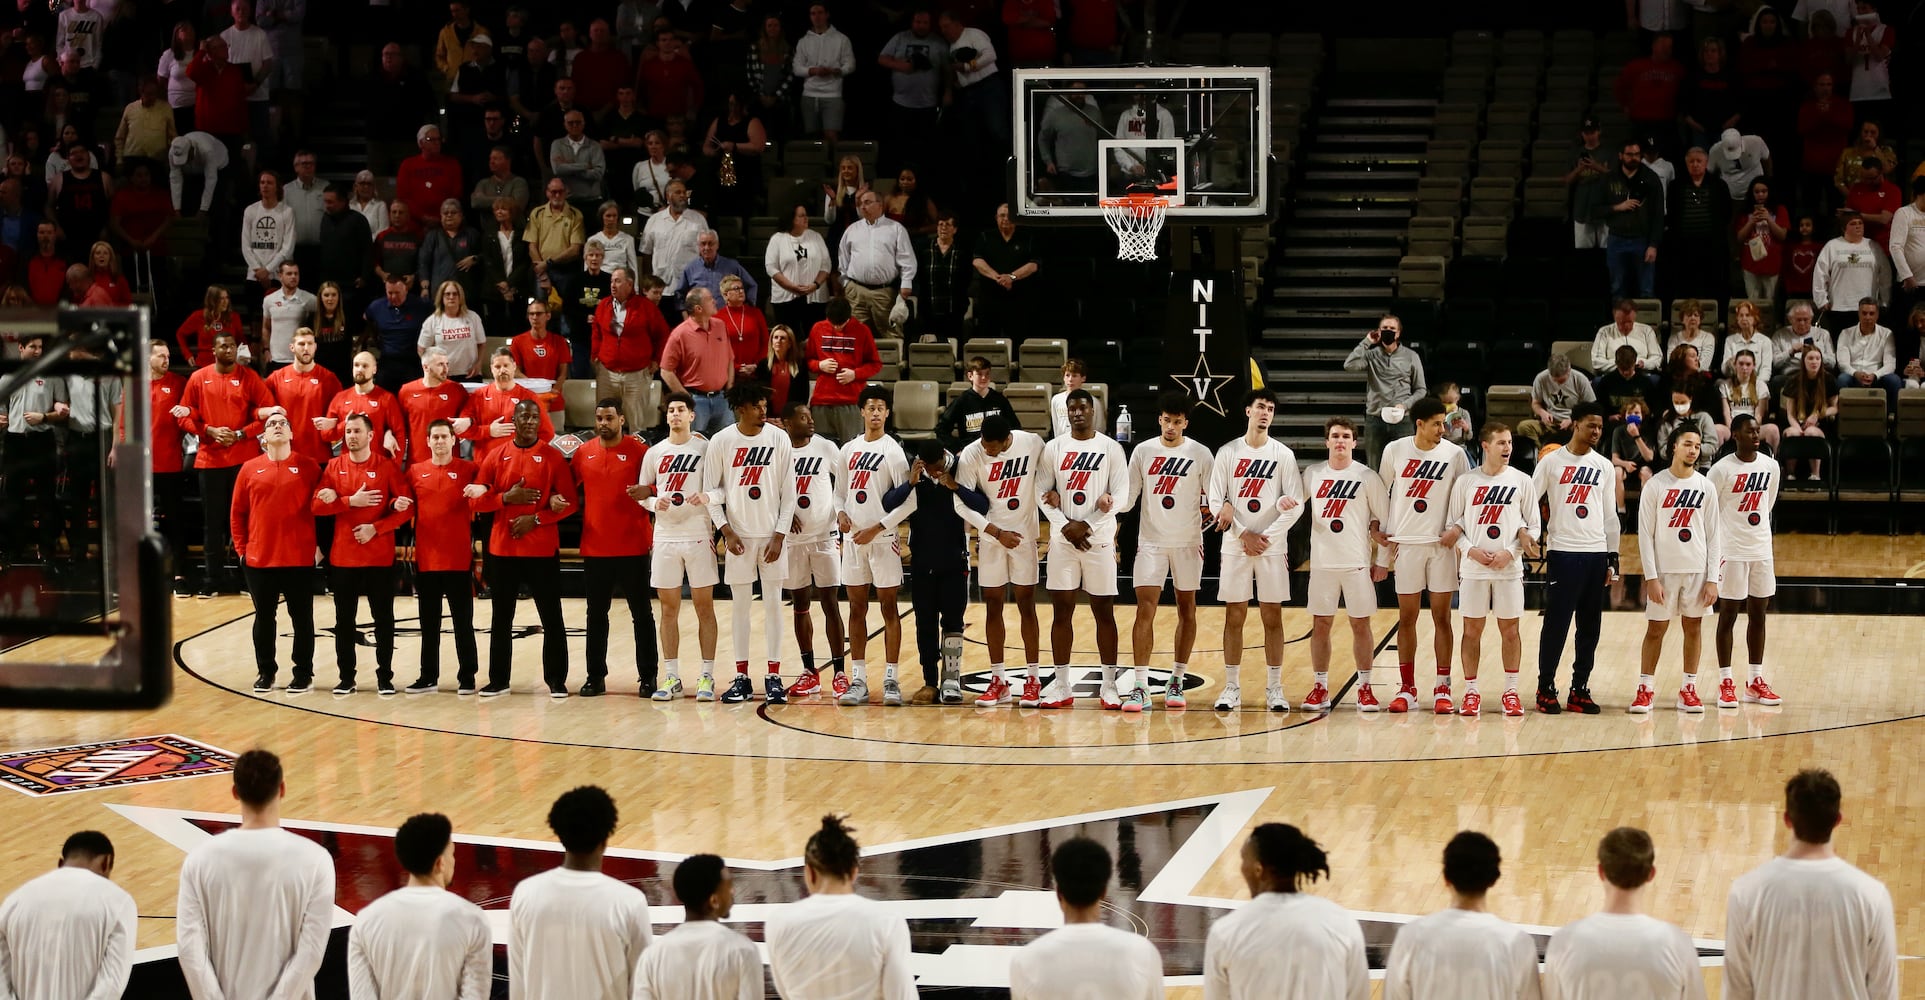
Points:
(1206, 386)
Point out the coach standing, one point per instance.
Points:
(368, 496)
(939, 569)
(519, 480)
(627, 336)
(273, 525)
(616, 538)
(394, 329)
(877, 258)
(444, 556)
(223, 403)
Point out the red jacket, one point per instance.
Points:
(220, 97)
(305, 395)
(47, 280)
(612, 523)
(748, 334)
(544, 358)
(1647, 89)
(272, 520)
(643, 335)
(669, 88)
(1866, 199)
(1030, 45)
(424, 182)
(443, 541)
(163, 394)
(383, 410)
(1825, 134)
(597, 74)
(345, 477)
(854, 347)
(231, 400)
(196, 336)
(541, 468)
(489, 404)
(423, 406)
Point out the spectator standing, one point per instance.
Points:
(304, 194)
(79, 200)
(699, 361)
(554, 236)
(1849, 269)
(770, 74)
(1867, 358)
(1708, 102)
(398, 99)
(1031, 27)
(1004, 263)
(267, 232)
(1824, 130)
(283, 20)
(507, 275)
(823, 56)
(1589, 167)
(367, 202)
(842, 354)
(47, 268)
(345, 247)
(798, 264)
(1624, 328)
(1554, 393)
(1850, 161)
(1761, 239)
(500, 181)
(578, 161)
(1875, 199)
(785, 372)
(918, 63)
(599, 69)
(540, 353)
(1810, 400)
(942, 281)
(1647, 90)
(1393, 380)
(70, 932)
(581, 294)
(478, 85)
(286, 309)
(250, 46)
(736, 139)
(451, 45)
(1770, 87)
(748, 330)
(709, 269)
(618, 248)
(1698, 228)
(456, 329)
(1066, 141)
(628, 341)
(1738, 160)
(622, 135)
(198, 331)
(652, 174)
(1869, 42)
(1907, 246)
(394, 328)
(670, 242)
(877, 260)
(146, 125)
(397, 249)
(172, 71)
(1634, 223)
(138, 218)
(979, 86)
(451, 252)
(1801, 259)
(670, 84)
(427, 179)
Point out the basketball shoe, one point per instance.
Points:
(1472, 705)
(1760, 692)
(1230, 698)
(739, 690)
(1173, 699)
(858, 694)
(1367, 699)
(1274, 700)
(1641, 702)
(997, 694)
(705, 688)
(1688, 699)
(1513, 705)
(670, 691)
(1442, 705)
(1032, 692)
(1404, 700)
(1547, 701)
(1134, 701)
(805, 686)
(1057, 695)
(1727, 693)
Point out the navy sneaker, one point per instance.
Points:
(773, 693)
(740, 690)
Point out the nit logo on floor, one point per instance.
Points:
(91, 766)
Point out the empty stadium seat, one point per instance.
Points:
(1421, 277)
(1030, 400)
(933, 362)
(917, 405)
(1041, 360)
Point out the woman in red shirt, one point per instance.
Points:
(105, 264)
(783, 371)
(197, 332)
(1761, 240)
(748, 331)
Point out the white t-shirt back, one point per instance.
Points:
(1461, 955)
(1087, 962)
(1616, 956)
(1806, 929)
(420, 941)
(575, 935)
(839, 946)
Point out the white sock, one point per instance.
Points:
(1757, 671)
(1510, 681)
(859, 670)
(1321, 677)
(1035, 673)
(1724, 673)
(1645, 680)
(996, 671)
(708, 668)
(739, 623)
(888, 671)
(674, 668)
(1363, 677)
(1470, 685)
(1109, 675)
(1230, 671)
(1177, 671)
(1690, 680)
(1276, 675)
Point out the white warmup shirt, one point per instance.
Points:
(816, 468)
(870, 469)
(1343, 504)
(1087, 962)
(1252, 481)
(254, 911)
(1859, 351)
(839, 946)
(1678, 527)
(676, 473)
(575, 935)
(1082, 473)
(1747, 493)
(68, 933)
(700, 960)
(80, 32)
(1490, 510)
(1611, 956)
(1008, 480)
(267, 236)
(1059, 416)
(285, 314)
(461, 336)
(420, 941)
(1169, 484)
(1419, 482)
(747, 473)
(1286, 946)
(1807, 929)
(1580, 491)
(1461, 955)
(1604, 347)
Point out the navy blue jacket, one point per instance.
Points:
(938, 538)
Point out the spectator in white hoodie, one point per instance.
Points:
(823, 56)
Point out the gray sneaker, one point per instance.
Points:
(952, 687)
(891, 693)
(858, 693)
(670, 691)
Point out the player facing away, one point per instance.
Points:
(1004, 463)
(1257, 495)
(1085, 480)
(1581, 556)
(1285, 944)
(749, 471)
(813, 553)
(1420, 472)
(701, 959)
(1463, 952)
(834, 943)
(672, 476)
(1346, 508)
(421, 939)
(1678, 540)
(872, 464)
(1168, 478)
(1746, 482)
(575, 933)
(70, 932)
(1619, 951)
(1086, 958)
(1494, 526)
(1808, 923)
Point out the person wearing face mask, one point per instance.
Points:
(1393, 380)
(1684, 415)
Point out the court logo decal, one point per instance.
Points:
(1085, 681)
(91, 766)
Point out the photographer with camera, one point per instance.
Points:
(1393, 380)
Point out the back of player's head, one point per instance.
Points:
(995, 428)
(1083, 394)
(1292, 858)
(1081, 868)
(747, 393)
(1176, 404)
(1582, 410)
(257, 778)
(1812, 805)
(86, 845)
(930, 451)
(679, 397)
(832, 849)
(1471, 863)
(1626, 856)
(1491, 429)
(583, 818)
(1426, 408)
(874, 391)
(1264, 393)
(696, 879)
(421, 840)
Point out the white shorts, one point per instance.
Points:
(1092, 572)
(1504, 598)
(749, 567)
(1184, 567)
(816, 562)
(676, 563)
(877, 564)
(1681, 593)
(1352, 585)
(1269, 573)
(998, 567)
(1426, 566)
(1748, 578)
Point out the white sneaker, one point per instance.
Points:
(1108, 698)
(1273, 698)
(1230, 698)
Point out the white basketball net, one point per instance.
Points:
(1137, 219)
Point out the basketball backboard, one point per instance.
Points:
(1197, 135)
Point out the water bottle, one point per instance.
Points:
(1123, 426)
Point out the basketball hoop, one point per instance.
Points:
(1137, 218)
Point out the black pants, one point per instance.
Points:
(350, 585)
(217, 510)
(80, 498)
(938, 598)
(629, 574)
(31, 466)
(266, 586)
(170, 494)
(542, 574)
(1575, 587)
(457, 588)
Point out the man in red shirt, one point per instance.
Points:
(273, 526)
(220, 95)
(225, 405)
(444, 555)
(304, 391)
(426, 180)
(669, 81)
(520, 482)
(599, 68)
(368, 495)
(616, 538)
(540, 354)
(842, 353)
(430, 398)
(376, 403)
(1875, 199)
(699, 361)
(138, 217)
(491, 408)
(46, 269)
(1032, 31)
(627, 335)
(1647, 90)
(165, 390)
